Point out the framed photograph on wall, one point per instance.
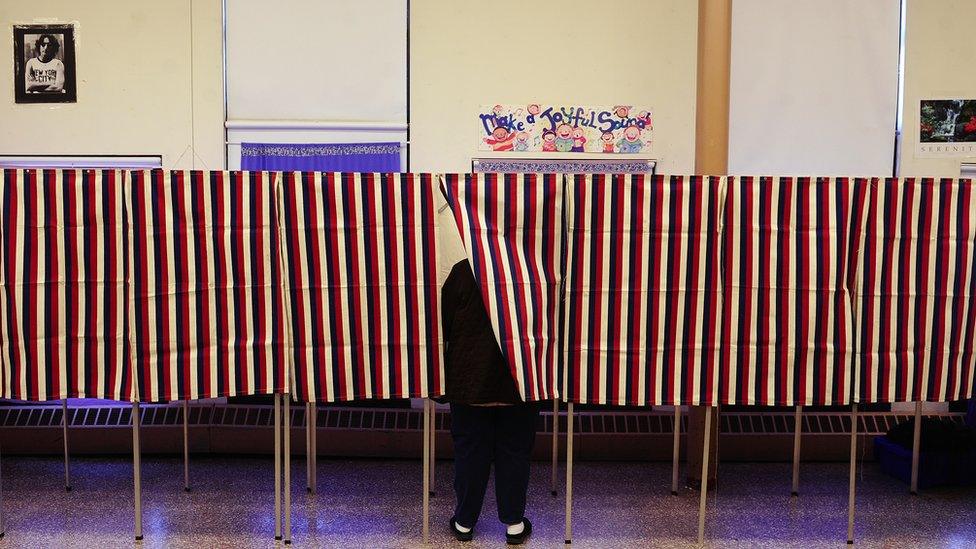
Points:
(44, 64)
(946, 127)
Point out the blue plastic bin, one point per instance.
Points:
(966, 469)
(934, 468)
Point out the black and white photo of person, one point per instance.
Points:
(44, 63)
(44, 72)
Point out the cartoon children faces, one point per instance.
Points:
(564, 137)
(501, 139)
(548, 140)
(579, 140)
(630, 142)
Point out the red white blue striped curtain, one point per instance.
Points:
(362, 283)
(916, 312)
(643, 293)
(789, 250)
(512, 229)
(206, 313)
(687, 290)
(62, 312)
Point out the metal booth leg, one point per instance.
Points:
(797, 431)
(676, 451)
(916, 444)
(277, 465)
(286, 427)
(186, 445)
(569, 473)
(64, 421)
(704, 477)
(850, 500)
(137, 469)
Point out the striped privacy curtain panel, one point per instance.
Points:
(512, 229)
(643, 293)
(788, 328)
(206, 307)
(362, 285)
(606, 288)
(916, 312)
(62, 307)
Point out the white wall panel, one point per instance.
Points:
(814, 87)
(317, 60)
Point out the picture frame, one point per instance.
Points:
(947, 121)
(44, 64)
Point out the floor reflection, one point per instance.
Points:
(377, 503)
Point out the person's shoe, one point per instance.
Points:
(519, 539)
(459, 535)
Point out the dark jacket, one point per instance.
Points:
(475, 370)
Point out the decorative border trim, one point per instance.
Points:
(341, 149)
(496, 165)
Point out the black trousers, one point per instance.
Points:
(485, 434)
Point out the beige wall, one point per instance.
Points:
(142, 88)
(150, 74)
(468, 54)
(940, 56)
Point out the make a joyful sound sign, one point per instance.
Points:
(566, 129)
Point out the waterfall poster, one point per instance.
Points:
(535, 128)
(947, 127)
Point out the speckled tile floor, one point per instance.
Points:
(616, 505)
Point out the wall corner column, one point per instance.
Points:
(711, 158)
(712, 106)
